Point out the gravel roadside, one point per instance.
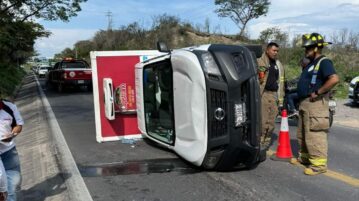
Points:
(346, 114)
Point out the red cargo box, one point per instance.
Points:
(117, 70)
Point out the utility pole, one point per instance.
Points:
(109, 17)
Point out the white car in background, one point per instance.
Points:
(353, 93)
(42, 71)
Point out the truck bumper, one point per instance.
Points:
(77, 82)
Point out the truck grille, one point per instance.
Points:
(218, 101)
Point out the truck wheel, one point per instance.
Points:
(60, 87)
(89, 87)
(330, 119)
(48, 84)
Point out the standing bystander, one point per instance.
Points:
(10, 126)
(317, 78)
(271, 79)
(292, 95)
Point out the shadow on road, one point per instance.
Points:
(50, 187)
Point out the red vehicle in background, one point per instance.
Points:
(70, 73)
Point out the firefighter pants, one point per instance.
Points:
(312, 133)
(269, 110)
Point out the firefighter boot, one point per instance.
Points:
(311, 170)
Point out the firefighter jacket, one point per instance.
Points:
(263, 66)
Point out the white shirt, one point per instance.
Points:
(5, 125)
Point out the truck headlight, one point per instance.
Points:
(239, 114)
(210, 65)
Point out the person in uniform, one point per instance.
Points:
(317, 78)
(271, 80)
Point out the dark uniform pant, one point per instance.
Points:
(269, 109)
(312, 133)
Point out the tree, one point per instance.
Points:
(242, 11)
(67, 52)
(274, 34)
(17, 41)
(22, 10)
(18, 31)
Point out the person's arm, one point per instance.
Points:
(16, 130)
(19, 122)
(328, 85)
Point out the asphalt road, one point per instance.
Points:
(117, 171)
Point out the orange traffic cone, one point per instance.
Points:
(284, 150)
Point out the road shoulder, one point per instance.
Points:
(41, 176)
(48, 169)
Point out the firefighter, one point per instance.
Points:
(317, 78)
(271, 79)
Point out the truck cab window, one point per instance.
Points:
(56, 66)
(158, 99)
(74, 65)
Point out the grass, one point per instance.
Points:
(10, 78)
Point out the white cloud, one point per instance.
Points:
(295, 17)
(61, 39)
(326, 19)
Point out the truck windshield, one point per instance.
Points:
(158, 101)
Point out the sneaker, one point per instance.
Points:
(293, 113)
(311, 171)
(298, 161)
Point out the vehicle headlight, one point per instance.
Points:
(210, 65)
(239, 114)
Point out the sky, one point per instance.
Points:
(294, 17)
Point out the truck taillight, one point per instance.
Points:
(64, 75)
(88, 72)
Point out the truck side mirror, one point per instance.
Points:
(162, 47)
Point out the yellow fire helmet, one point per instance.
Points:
(314, 39)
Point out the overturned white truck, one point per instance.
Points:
(203, 102)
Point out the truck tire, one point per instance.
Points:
(330, 119)
(48, 85)
(60, 87)
(89, 88)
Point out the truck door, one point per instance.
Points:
(174, 105)
(158, 101)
